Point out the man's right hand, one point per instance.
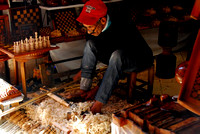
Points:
(86, 95)
(91, 93)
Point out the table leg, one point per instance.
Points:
(46, 58)
(16, 82)
(23, 75)
(7, 71)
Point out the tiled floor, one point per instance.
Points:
(168, 86)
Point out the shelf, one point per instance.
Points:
(71, 6)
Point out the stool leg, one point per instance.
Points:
(132, 84)
(150, 80)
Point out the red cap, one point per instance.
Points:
(92, 11)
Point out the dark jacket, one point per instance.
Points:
(125, 36)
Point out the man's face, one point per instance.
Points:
(96, 29)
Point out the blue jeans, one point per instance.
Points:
(118, 63)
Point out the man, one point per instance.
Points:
(114, 41)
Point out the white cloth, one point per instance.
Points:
(68, 50)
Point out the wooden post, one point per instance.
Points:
(132, 84)
(23, 75)
(150, 80)
(43, 74)
(7, 71)
(15, 65)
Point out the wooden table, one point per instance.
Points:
(22, 58)
(3, 58)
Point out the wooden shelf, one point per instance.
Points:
(71, 6)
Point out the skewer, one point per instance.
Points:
(14, 115)
(148, 111)
(23, 121)
(153, 115)
(6, 125)
(49, 130)
(171, 123)
(52, 131)
(34, 127)
(3, 124)
(18, 118)
(14, 129)
(9, 127)
(185, 123)
(157, 119)
(139, 110)
(46, 129)
(75, 85)
(168, 120)
(71, 89)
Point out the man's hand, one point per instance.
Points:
(87, 95)
(96, 107)
(76, 94)
(91, 94)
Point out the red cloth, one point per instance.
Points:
(196, 10)
(77, 76)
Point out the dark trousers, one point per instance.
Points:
(118, 63)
